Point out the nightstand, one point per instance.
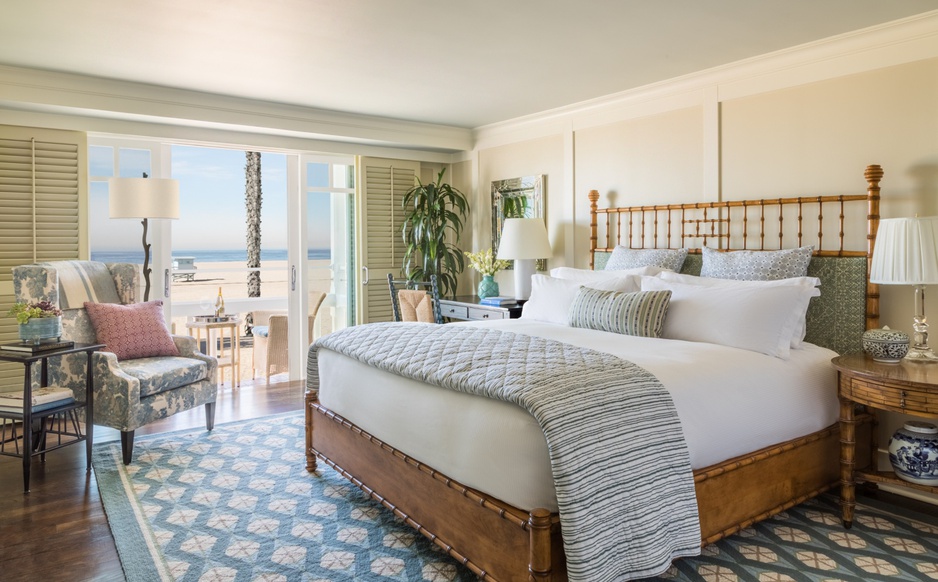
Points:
(906, 387)
(469, 308)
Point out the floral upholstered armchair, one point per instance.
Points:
(132, 391)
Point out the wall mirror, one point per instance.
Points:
(517, 198)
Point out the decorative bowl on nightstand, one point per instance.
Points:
(886, 345)
(913, 452)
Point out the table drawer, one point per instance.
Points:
(454, 311)
(909, 399)
(481, 313)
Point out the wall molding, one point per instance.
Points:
(894, 43)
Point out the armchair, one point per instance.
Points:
(129, 393)
(270, 353)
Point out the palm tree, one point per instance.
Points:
(252, 202)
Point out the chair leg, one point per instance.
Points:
(209, 415)
(127, 445)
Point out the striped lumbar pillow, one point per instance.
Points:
(639, 314)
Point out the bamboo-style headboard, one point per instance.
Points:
(849, 303)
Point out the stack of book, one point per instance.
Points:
(34, 348)
(499, 301)
(42, 399)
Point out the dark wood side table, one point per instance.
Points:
(68, 411)
(906, 387)
(469, 308)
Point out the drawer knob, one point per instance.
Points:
(902, 396)
(485, 316)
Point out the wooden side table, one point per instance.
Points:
(469, 308)
(906, 387)
(227, 358)
(41, 447)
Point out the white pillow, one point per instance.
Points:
(762, 320)
(589, 275)
(809, 282)
(551, 298)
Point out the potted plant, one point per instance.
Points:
(486, 263)
(38, 321)
(434, 212)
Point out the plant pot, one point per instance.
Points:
(41, 328)
(488, 287)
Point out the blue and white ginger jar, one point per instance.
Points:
(913, 452)
(886, 345)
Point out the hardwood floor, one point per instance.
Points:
(59, 531)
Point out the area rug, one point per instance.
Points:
(238, 504)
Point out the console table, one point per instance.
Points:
(469, 308)
(67, 413)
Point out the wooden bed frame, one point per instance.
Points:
(499, 542)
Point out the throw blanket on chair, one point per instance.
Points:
(415, 306)
(81, 281)
(621, 467)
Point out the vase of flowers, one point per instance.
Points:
(38, 321)
(485, 263)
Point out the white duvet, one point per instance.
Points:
(730, 402)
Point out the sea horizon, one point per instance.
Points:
(208, 255)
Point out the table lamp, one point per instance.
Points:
(143, 198)
(524, 240)
(906, 253)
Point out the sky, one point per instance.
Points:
(211, 200)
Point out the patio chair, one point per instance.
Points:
(271, 339)
(129, 392)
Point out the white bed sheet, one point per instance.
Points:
(730, 402)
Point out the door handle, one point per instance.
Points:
(292, 277)
(365, 270)
(165, 282)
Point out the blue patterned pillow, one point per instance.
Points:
(756, 265)
(640, 314)
(626, 258)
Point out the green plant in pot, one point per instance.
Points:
(38, 321)
(433, 222)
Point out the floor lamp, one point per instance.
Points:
(906, 253)
(143, 198)
(524, 240)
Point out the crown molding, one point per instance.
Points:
(893, 43)
(64, 93)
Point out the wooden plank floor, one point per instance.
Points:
(59, 531)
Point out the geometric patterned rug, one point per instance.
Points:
(237, 504)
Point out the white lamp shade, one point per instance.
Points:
(143, 198)
(906, 252)
(524, 238)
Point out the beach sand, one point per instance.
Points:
(197, 297)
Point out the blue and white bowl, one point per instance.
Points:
(886, 345)
(913, 452)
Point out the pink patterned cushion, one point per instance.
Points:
(132, 331)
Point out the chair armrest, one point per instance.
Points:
(189, 349)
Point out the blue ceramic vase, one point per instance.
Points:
(913, 452)
(487, 287)
(41, 328)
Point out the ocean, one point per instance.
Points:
(208, 256)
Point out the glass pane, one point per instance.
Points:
(100, 161)
(343, 176)
(134, 162)
(317, 175)
(113, 240)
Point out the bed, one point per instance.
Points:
(507, 527)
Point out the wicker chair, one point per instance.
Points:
(271, 340)
(430, 288)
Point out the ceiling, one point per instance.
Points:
(457, 63)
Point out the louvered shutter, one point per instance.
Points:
(42, 185)
(382, 186)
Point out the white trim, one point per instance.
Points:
(895, 43)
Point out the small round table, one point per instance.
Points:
(215, 331)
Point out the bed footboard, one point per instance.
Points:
(494, 540)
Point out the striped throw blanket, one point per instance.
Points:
(621, 467)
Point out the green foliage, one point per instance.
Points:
(434, 211)
(23, 312)
(515, 207)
